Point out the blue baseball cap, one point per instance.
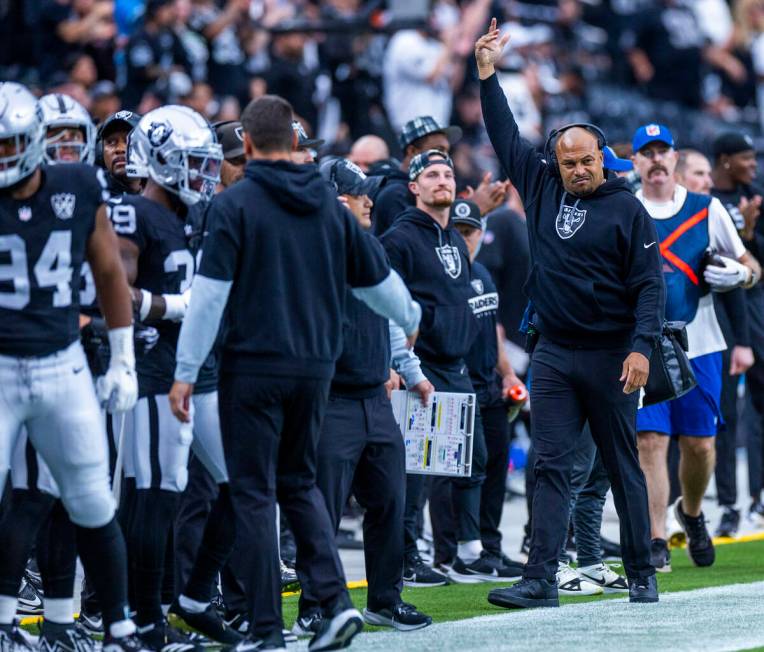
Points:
(651, 133)
(612, 162)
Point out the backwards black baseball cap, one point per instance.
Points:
(732, 142)
(230, 135)
(426, 159)
(347, 178)
(303, 142)
(464, 211)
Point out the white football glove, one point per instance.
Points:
(729, 277)
(177, 305)
(118, 388)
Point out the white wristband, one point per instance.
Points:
(121, 346)
(143, 311)
(176, 307)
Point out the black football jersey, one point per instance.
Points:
(43, 241)
(166, 265)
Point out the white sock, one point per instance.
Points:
(122, 628)
(194, 606)
(165, 610)
(59, 610)
(7, 609)
(469, 551)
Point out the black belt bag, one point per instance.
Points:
(671, 374)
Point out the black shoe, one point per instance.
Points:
(273, 643)
(526, 594)
(660, 556)
(339, 626)
(403, 617)
(289, 580)
(486, 568)
(237, 621)
(729, 523)
(130, 643)
(643, 589)
(208, 622)
(307, 625)
(12, 639)
(164, 638)
(30, 599)
(56, 637)
(611, 551)
(700, 548)
(417, 573)
(92, 623)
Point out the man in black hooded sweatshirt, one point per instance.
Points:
(278, 257)
(598, 295)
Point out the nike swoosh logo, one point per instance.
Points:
(78, 370)
(648, 246)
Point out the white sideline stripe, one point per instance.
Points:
(719, 618)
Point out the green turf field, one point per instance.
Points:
(737, 563)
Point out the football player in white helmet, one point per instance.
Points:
(176, 150)
(49, 225)
(70, 134)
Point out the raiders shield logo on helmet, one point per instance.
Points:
(158, 133)
(63, 205)
(569, 220)
(450, 259)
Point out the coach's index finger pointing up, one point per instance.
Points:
(488, 50)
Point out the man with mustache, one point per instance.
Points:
(690, 226)
(111, 152)
(597, 297)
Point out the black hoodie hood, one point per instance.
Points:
(298, 188)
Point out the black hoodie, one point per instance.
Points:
(392, 200)
(596, 279)
(290, 249)
(435, 265)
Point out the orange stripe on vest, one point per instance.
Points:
(674, 236)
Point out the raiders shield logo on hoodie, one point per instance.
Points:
(450, 259)
(569, 220)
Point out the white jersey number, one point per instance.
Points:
(53, 269)
(181, 258)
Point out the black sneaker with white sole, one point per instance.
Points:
(14, 640)
(56, 637)
(338, 627)
(162, 637)
(729, 523)
(91, 622)
(403, 616)
(273, 643)
(526, 594)
(208, 622)
(486, 568)
(660, 556)
(643, 589)
(30, 599)
(130, 643)
(700, 548)
(417, 573)
(307, 624)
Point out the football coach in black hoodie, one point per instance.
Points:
(279, 255)
(598, 294)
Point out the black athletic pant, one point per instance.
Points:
(726, 436)
(570, 386)
(361, 451)
(755, 379)
(496, 429)
(271, 426)
(465, 492)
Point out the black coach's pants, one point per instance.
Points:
(726, 436)
(361, 450)
(465, 492)
(496, 429)
(569, 386)
(271, 427)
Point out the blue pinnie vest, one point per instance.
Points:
(683, 242)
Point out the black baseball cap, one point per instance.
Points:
(347, 178)
(303, 142)
(732, 142)
(119, 121)
(423, 126)
(426, 159)
(230, 135)
(464, 211)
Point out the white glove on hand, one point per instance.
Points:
(724, 279)
(118, 389)
(177, 305)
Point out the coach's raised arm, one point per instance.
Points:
(597, 291)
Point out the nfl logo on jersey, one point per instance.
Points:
(25, 213)
(63, 205)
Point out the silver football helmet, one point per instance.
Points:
(176, 147)
(21, 133)
(59, 114)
